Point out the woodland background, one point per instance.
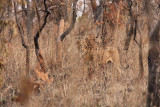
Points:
(50, 53)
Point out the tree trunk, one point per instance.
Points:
(74, 15)
(153, 99)
(27, 61)
(59, 44)
(104, 25)
(154, 69)
(36, 37)
(23, 42)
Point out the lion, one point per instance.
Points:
(94, 53)
(110, 54)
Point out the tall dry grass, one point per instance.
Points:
(79, 83)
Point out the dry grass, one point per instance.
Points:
(76, 84)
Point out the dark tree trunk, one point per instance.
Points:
(104, 25)
(36, 37)
(27, 61)
(154, 69)
(131, 25)
(153, 99)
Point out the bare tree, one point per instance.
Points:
(36, 37)
(29, 16)
(74, 15)
(62, 17)
(23, 41)
(61, 33)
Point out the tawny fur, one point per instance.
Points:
(100, 54)
(110, 54)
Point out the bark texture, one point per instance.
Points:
(59, 43)
(153, 19)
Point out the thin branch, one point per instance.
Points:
(141, 67)
(84, 8)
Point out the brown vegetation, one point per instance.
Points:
(67, 57)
